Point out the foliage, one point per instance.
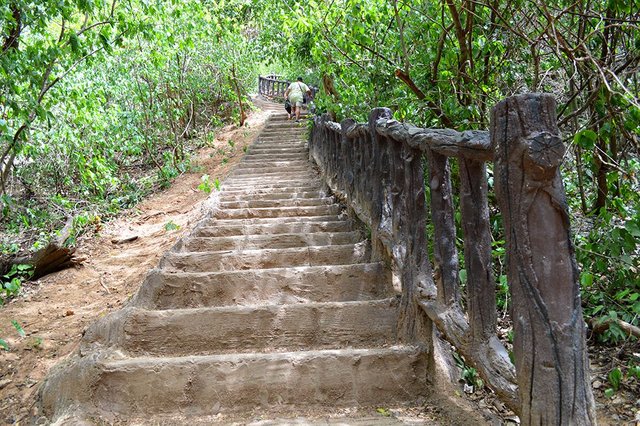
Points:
(205, 184)
(445, 63)
(18, 328)
(610, 266)
(171, 226)
(468, 374)
(12, 281)
(103, 102)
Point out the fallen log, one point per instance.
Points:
(600, 326)
(51, 258)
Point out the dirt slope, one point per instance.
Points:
(56, 309)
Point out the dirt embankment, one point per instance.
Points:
(55, 310)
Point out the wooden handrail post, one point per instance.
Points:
(549, 332)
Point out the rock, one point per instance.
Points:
(597, 384)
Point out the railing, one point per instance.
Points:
(272, 87)
(377, 168)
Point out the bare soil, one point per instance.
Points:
(55, 310)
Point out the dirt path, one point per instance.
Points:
(55, 310)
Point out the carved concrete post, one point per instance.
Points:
(481, 287)
(379, 176)
(346, 156)
(549, 334)
(444, 228)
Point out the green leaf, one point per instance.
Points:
(18, 328)
(74, 42)
(170, 226)
(205, 185)
(615, 378)
(586, 139)
(105, 42)
(383, 411)
(4, 345)
(633, 228)
(586, 279)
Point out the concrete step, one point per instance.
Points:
(283, 174)
(266, 185)
(277, 151)
(267, 212)
(304, 156)
(244, 242)
(242, 329)
(277, 179)
(277, 139)
(247, 163)
(340, 283)
(227, 228)
(282, 140)
(277, 147)
(284, 124)
(235, 260)
(315, 416)
(270, 196)
(211, 384)
(284, 183)
(266, 191)
(212, 221)
(272, 132)
(273, 161)
(286, 202)
(269, 153)
(255, 170)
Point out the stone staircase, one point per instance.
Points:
(272, 304)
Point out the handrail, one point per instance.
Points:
(377, 169)
(273, 87)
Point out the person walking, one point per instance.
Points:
(295, 93)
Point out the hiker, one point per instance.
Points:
(295, 93)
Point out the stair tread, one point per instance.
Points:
(172, 289)
(288, 355)
(250, 328)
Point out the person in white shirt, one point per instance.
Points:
(295, 93)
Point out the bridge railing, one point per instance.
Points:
(378, 169)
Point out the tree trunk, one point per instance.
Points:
(12, 39)
(549, 332)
